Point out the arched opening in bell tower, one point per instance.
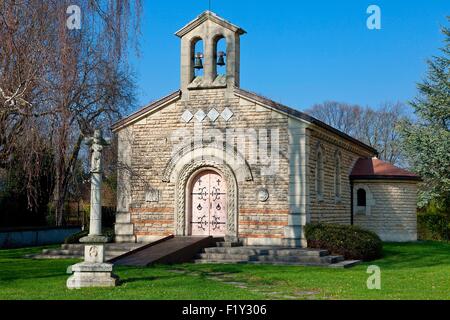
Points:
(197, 56)
(220, 55)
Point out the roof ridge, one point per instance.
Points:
(301, 115)
(143, 110)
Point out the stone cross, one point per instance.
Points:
(96, 143)
(93, 271)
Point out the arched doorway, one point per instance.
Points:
(208, 204)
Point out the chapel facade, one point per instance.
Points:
(215, 159)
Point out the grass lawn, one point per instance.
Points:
(408, 271)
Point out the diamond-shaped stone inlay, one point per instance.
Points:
(227, 114)
(200, 115)
(187, 116)
(213, 114)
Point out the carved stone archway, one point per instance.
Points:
(190, 170)
(235, 160)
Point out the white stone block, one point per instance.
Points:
(123, 217)
(124, 228)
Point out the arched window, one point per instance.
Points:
(319, 174)
(361, 198)
(337, 175)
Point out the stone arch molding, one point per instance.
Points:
(188, 154)
(186, 173)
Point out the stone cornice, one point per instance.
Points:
(208, 15)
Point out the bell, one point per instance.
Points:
(198, 64)
(221, 58)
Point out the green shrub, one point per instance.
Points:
(433, 226)
(349, 241)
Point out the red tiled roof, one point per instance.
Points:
(373, 168)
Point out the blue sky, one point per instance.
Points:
(303, 52)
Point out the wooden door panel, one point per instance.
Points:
(208, 211)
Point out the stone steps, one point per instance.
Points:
(268, 251)
(228, 244)
(229, 254)
(227, 257)
(76, 251)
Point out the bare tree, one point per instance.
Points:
(376, 127)
(61, 83)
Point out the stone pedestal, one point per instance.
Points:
(88, 275)
(93, 272)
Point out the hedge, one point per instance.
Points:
(352, 242)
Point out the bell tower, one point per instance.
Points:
(199, 66)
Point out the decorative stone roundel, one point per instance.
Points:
(262, 194)
(93, 252)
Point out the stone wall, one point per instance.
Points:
(151, 142)
(329, 208)
(391, 209)
(147, 188)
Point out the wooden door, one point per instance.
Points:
(209, 199)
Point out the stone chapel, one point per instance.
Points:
(215, 159)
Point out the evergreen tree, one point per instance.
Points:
(427, 141)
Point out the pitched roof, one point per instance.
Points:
(145, 110)
(245, 94)
(298, 114)
(208, 15)
(373, 168)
